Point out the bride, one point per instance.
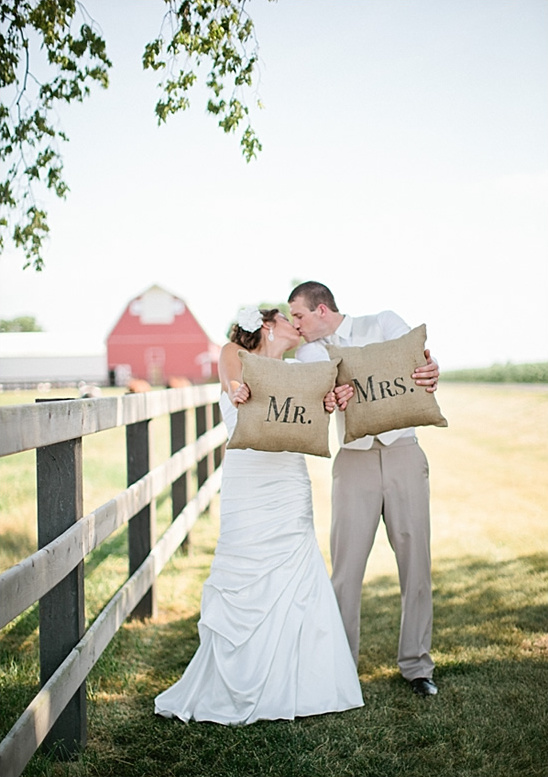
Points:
(272, 643)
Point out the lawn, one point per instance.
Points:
(490, 572)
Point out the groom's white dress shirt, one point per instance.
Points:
(362, 330)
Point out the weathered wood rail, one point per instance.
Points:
(54, 575)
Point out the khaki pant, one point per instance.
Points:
(392, 482)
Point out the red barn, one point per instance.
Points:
(158, 339)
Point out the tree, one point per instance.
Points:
(45, 62)
(20, 324)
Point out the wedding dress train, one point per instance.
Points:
(272, 643)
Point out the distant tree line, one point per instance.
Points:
(501, 373)
(20, 324)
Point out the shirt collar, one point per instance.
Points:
(344, 330)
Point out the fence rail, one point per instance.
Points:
(53, 575)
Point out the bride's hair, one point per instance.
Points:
(251, 340)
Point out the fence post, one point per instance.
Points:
(62, 610)
(141, 528)
(218, 452)
(204, 418)
(179, 487)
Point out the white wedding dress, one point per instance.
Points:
(272, 643)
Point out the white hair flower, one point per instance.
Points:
(250, 319)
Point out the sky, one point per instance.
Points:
(404, 164)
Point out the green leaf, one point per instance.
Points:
(29, 138)
(212, 36)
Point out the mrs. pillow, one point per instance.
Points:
(385, 396)
(285, 411)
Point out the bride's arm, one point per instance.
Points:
(230, 374)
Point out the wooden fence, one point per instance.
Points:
(54, 575)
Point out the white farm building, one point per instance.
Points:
(59, 358)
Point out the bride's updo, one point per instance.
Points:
(251, 340)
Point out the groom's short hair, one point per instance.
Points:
(315, 294)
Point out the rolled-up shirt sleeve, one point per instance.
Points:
(392, 325)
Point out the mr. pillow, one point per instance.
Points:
(285, 411)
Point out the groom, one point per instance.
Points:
(383, 475)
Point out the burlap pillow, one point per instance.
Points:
(385, 395)
(285, 411)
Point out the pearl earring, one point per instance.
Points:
(271, 335)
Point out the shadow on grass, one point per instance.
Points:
(489, 719)
(19, 667)
(115, 545)
(16, 636)
(477, 604)
(478, 600)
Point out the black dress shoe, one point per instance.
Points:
(424, 686)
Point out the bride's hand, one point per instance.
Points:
(330, 401)
(241, 394)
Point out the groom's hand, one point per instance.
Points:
(343, 395)
(428, 374)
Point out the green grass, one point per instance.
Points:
(490, 574)
(489, 718)
(502, 373)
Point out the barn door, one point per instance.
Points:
(155, 359)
